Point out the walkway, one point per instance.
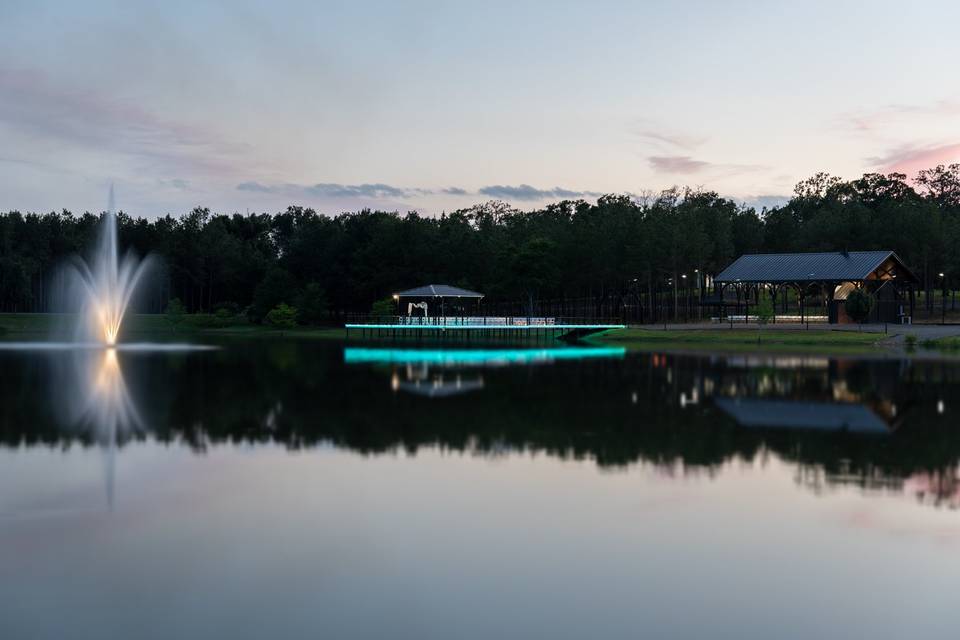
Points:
(895, 331)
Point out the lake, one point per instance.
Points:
(314, 489)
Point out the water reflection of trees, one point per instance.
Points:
(653, 409)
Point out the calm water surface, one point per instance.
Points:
(305, 490)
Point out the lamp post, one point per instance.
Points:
(669, 285)
(396, 300)
(686, 292)
(699, 295)
(943, 298)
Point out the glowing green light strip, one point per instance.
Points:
(475, 356)
(518, 327)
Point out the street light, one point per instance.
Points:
(396, 299)
(943, 298)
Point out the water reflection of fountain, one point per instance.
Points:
(99, 404)
(106, 407)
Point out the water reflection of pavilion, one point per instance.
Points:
(787, 414)
(420, 381)
(798, 392)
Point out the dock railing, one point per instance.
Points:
(476, 321)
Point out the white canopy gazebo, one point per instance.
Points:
(434, 293)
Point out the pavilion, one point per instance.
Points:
(437, 294)
(826, 277)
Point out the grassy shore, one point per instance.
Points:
(157, 327)
(948, 343)
(39, 326)
(766, 339)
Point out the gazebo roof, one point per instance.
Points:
(438, 291)
(834, 266)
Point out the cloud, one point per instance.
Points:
(83, 119)
(652, 133)
(678, 140)
(380, 191)
(332, 190)
(674, 150)
(874, 120)
(685, 165)
(256, 186)
(375, 191)
(677, 164)
(175, 183)
(527, 192)
(910, 158)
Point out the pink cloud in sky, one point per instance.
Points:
(677, 164)
(871, 121)
(910, 159)
(82, 118)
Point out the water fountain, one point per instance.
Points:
(102, 289)
(90, 392)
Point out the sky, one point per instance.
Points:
(435, 106)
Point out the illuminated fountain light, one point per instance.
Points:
(102, 288)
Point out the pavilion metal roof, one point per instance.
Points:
(805, 267)
(438, 291)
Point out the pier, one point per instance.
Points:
(468, 328)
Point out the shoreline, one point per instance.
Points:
(927, 340)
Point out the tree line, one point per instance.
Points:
(573, 255)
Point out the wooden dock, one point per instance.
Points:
(485, 328)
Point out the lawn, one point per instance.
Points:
(741, 339)
(157, 327)
(948, 343)
(39, 326)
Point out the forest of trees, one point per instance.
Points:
(586, 258)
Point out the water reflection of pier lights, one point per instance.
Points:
(412, 367)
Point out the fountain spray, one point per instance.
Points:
(105, 284)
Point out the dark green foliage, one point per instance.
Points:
(858, 305)
(384, 307)
(312, 304)
(14, 285)
(533, 265)
(605, 251)
(227, 308)
(282, 316)
(221, 318)
(276, 287)
(764, 309)
(175, 312)
(763, 312)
